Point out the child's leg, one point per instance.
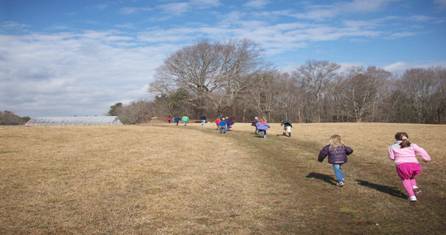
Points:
(338, 172)
(408, 187)
(414, 183)
(407, 173)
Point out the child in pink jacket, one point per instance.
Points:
(403, 153)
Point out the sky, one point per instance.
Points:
(62, 58)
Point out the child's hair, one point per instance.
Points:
(335, 141)
(404, 138)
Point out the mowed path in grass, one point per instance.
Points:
(168, 179)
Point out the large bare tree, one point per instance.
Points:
(205, 68)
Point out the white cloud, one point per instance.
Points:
(348, 66)
(397, 67)
(401, 66)
(74, 73)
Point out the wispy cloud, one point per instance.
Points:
(173, 8)
(440, 3)
(205, 3)
(133, 10)
(8, 26)
(274, 38)
(401, 66)
(102, 6)
(256, 3)
(397, 35)
(322, 12)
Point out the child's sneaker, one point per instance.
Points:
(340, 183)
(412, 198)
(416, 190)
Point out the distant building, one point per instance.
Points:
(74, 120)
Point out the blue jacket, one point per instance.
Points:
(222, 123)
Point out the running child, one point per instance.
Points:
(254, 123)
(203, 120)
(404, 153)
(185, 120)
(217, 122)
(262, 126)
(337, 154)
(176, 120)
(287, 125)
(222, 126)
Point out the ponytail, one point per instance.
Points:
(404, 138)
(405, 143)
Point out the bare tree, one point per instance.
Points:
(205, 68)
(359, 92)
(313, 78)
(420, 86)
(261, 93)
(439, 97)
(136, 112)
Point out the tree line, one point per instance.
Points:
(10, 118)
(211, 78)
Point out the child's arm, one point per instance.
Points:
(390, 153)
(421, 152)
(323, 153)
(348, 150)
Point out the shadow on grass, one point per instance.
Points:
(383, 188)
(323, 177)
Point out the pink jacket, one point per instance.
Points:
(408, 154)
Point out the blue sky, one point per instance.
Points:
(80, 57)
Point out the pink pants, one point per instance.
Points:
(407, 173)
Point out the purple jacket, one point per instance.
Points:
(262, 126)
(337, 155)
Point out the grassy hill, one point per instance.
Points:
(169, 179)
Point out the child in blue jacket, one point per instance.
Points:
(222, 126)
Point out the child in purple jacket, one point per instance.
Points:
(337, 155)
(261, 127)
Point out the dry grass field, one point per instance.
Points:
(161, 179)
